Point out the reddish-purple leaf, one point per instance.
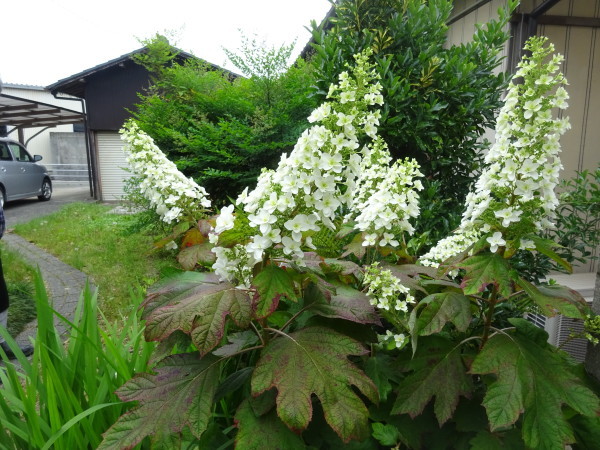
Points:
(189, 257)
(347, 303)
(200, 312)
(179, 394)
(553, 300)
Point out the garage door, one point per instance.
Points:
(111, 164)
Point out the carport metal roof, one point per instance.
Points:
(24, 113)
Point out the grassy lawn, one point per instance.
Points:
(19, 281)
(109, 247)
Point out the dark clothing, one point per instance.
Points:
(3, 289)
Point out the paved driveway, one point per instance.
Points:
(21, 211)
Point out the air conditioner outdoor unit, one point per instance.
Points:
(560, 328)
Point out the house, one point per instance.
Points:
(109, 91)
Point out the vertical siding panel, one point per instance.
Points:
(583, 8)
(579, 47)
(591, 156)
(562, 8)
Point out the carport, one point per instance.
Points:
(22, 113)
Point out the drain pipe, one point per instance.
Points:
(91, 162)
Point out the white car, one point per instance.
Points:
(20, 174)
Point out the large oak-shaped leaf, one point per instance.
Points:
(483, 270)
(438, 372)
(532, 378)
(170, 288)
(441, 308)
(200, 311)
(554, 300)
(271, 284)
(179, 394)
(315, 361)
(263, 432)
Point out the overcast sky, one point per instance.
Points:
(43, 41)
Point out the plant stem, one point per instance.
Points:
(489, 316)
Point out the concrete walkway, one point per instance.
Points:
(64, 283)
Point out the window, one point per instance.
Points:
(4, 153)
(20, 153)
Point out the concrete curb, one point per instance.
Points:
(64, 283)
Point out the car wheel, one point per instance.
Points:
(2, 197)
(46, 191)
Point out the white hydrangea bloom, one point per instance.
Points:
(171, 193)
(514, 196)
(331, 169)
(386, 291)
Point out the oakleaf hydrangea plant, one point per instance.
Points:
(463, 316)
(339, 169)
(514, 197)
(174, 196)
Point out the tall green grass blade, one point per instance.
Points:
(67, 426)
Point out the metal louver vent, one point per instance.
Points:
(537, 319)
(577, 348)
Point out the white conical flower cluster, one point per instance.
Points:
(515, 195)
(330, 171)
(173, 195)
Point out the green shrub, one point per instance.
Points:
(222, 131)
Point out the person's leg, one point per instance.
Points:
(4, 303)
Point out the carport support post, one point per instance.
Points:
(21, 135)
(592, 359)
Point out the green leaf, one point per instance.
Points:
(438, 372)
(347, 303)
(237, 341)
(201, 312)
(179, 394)
(263, 432)
(533, 379)
(387, 435)
(190, 256)
(553, 300)
(484, 440)
(314, 361)
(271, 284)
(545, 247)
(233, 382)
(483, 270)
(442, 308)
(380, 368)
